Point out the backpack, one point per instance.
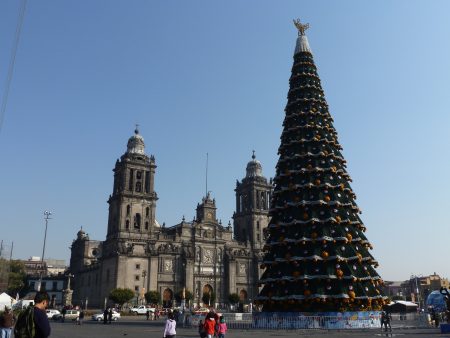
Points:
(25, 324)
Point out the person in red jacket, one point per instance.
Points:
(210, 324)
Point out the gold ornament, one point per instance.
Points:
(317, 182)
(325, 254)
(327, 198)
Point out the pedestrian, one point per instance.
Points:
(201, 329)
(63, 312)
(222, 329)
(170, 328)
(105, 316)
(110, 315)
(385, 321)
(81, 317)
(7, 323)
(147, 314)
(210, 324)
(33, 322)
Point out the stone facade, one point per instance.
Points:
(203, 256)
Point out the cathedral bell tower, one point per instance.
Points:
(253, 195)
(132, 204)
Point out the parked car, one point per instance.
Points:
(141, 309)
(70, 315)
(99, 316)
(51, 313)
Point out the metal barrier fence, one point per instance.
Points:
(276, 321)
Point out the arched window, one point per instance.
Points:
(147, 212)
(128, 210)
(127, 224)
(146, 225)
(137, 221)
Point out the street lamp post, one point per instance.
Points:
(417, 289)
(46, 218)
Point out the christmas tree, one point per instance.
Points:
(317, 257)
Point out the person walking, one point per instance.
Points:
(33, 322)
(105, 316)
(63, 312)
(147, 314)
(170, 328)
(222, 327)
(81, 317)
(201, 329)
(7, 323)
(210, 325)
(110, 315)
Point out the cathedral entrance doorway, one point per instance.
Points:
(208, 297)
(167, 298)
(243, 296)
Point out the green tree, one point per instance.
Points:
(153, 297)
(17, 278)
(209, 298)
(121, 296)
(187, 294)
(233, 298)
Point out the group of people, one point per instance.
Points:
(107, 316)
(213, 326)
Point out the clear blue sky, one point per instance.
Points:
(203, 76)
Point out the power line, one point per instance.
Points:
(12, 61)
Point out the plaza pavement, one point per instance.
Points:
(138, 327)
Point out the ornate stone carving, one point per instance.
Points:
(168, 248)
(242, 268)
(168, 265)
(207, 256)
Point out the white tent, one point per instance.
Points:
(6, 300)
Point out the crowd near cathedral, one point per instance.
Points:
(201, 256)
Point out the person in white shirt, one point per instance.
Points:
(170, 329)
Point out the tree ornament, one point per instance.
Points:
(325, 254)
(349, 237)
(327, 198)
(338, 219)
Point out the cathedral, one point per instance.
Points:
(203, 256)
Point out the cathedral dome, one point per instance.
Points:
(82, 235)
(136, 143)
(254, 167)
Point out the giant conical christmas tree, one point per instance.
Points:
(317, 257)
